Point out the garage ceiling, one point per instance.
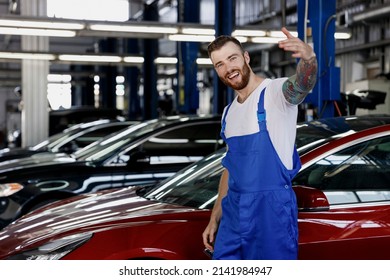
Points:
(86, 44)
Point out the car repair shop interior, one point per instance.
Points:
(148, 58)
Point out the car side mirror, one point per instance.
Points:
(310, 199)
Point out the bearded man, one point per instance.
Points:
(255, 214)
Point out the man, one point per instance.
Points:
(255, 214)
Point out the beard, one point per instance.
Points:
(244, 73)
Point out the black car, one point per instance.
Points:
(68, 141)
(141, 154)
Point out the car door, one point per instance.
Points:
(356, 183)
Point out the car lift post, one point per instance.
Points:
(224, 23)
(319, 16)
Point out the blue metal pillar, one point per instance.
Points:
(188, 93)
(225, 18)
(108, 80)
(150, 47)
(83, 86)
(321, 16)
(132, 74)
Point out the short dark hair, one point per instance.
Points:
(220, 41)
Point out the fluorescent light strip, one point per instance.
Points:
(13, 55)
(134, 59)
(191, 38)
(204, 61)
(165, 60)
(242, 39)
(134, 28)
(280, 34)
(198, 31)
(70, 58)
(37, 32)
(58, 78)
(247, 32)
(266, 40)
(89, 58)
(342, 35)
(41, 24)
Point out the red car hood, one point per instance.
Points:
(91, 212)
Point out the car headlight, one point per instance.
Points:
(55, 249)
(9, 189)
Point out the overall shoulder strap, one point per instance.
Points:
(224, 122)
(261, 115)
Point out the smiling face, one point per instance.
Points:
(232, 65)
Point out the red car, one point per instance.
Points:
(343, 193)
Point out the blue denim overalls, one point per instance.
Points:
(259, 212)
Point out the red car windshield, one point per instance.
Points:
(195, 186)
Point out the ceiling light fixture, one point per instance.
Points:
(15, 55)
(198, 31)
(37, 32)
(204, 61)
(191, 38)
(134, 28)
(242, 39)
(342, 35)
(266, 40)
(134, 59)
(165, 60)
(90, 58)
(41, 24)
(280, 34)
(249, 33)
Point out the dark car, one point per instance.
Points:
(62, 119)
(68, 141)
(143, 153)
(343, 195)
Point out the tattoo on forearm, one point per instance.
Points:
(297, 87)
(306, 74)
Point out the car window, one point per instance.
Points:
(191, 142)
(359, 173)
(94, 135)
(185, 144)
(109, 144)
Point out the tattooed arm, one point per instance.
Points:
(297, 87)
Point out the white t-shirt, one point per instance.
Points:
(281, 118)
